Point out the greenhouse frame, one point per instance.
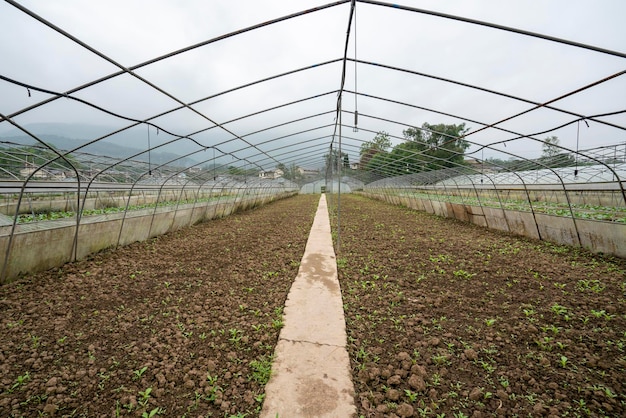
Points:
(100, 151)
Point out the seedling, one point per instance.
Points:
(563, 361)
(602, 314)
(139, 373)
(235, 336)
(440, 359)
(558, 309)
(155, 411)
(488, 367)
(553, 328)
(490, 322)
(342, 263)
(145, 396)
(436, 379)
(261, 370)
(212, 380)
(21, 380)
(529, 311)
(463, 274)
(592, 285)
(34, 340)
(411, 395)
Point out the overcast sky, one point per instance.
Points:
(131, 32)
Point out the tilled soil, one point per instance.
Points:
(181, 325)
(449, 319)
(443, 319)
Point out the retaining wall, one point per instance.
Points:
(596, 236)
(44, 245)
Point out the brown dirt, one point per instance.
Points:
(183, 325)
(448, 318)
(443, 318)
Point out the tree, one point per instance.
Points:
(380, 143)
(552, 156)
(334, 161)
(550, 148)
(12, 160)
(291, 172)
(431, 147)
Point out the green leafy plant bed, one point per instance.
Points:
(446, 319)
(582, 211)
(51, 215)
(184, 325)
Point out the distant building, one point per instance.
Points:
(43, 174)
(307, 172)
(271, 174)
(31, 169)
(479, 165)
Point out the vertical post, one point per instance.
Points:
(339, 182)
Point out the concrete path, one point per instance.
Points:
(311, 370)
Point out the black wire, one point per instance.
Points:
(496, 26)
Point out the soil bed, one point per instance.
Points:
(449, 318)
(181, 325)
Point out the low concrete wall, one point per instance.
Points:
(45, 245)
(596, 236)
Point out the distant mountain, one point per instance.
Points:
(67, 130)
(70, 136)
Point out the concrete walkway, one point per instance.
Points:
(311, 370)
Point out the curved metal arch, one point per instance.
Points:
(506, 95)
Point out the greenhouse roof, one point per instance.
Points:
(120, 91)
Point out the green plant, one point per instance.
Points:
(563, 361)
(145, 396)
(155, 411)
(34, 340)
(235, 336)
(211, 379)
(440, 359)
(558, 309)
(411, 395)
(20, 381)
(488, 367)
(139, 373)
(463, 274)
(261, 370)
(592, 285)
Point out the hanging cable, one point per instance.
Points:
(577, 140)
(577, 137)
(149, 148)
(356, 108)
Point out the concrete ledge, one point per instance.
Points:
(311, 370)
(45, 245)
(595, 236)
